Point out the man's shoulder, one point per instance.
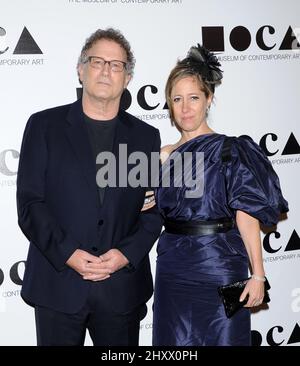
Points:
(53, 111)
(137, 123)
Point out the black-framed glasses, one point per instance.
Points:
(99, 62)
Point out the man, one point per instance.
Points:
(88, 264)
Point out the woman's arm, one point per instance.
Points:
(250, 232)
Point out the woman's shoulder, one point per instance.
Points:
(166, 151)
(246, 150)
(245, 143)
(240, 142)
(168, 148)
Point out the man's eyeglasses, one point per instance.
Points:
(99, 63)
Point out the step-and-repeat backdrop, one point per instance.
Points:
(257, 45)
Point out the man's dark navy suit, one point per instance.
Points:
(59, 211)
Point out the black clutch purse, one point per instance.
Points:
(231, 293)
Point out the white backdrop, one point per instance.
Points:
(39, 45)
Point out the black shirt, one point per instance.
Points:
(101, 136)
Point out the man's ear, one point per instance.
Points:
(80, 72)
(127, 80)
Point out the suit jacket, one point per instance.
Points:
(59, 211)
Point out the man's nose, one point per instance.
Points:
(106, 67)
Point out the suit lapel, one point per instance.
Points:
(78, 137)
(121, 137)
(121, 134)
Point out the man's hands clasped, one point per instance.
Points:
(94, 268)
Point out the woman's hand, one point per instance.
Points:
(255, 290)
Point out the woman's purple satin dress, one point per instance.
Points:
(187, 307)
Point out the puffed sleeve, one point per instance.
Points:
(252, 184)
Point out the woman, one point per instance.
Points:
(209, 238)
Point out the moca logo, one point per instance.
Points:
(273, 337)
(291, 147)
(26, 45)
(15, 273)
(143, 98)
(293, 243)
(240, 38)
(5, 157)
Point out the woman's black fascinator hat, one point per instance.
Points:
(203, 62)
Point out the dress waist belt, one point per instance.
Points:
(198, 227)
